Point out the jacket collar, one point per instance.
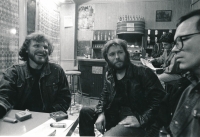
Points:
(46, 70)
(193, 79)
(129, 72)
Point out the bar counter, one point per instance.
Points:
(136, 62)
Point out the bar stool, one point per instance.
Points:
(72, 74)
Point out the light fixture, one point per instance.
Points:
(13, 31)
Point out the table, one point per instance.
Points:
(19, 128)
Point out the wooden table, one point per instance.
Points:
(19, 128)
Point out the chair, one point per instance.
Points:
(72, 74)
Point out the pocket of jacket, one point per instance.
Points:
(52, 89)
(20, 87)
(52, 86)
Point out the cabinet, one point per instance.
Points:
(92, 76)
(133, 32)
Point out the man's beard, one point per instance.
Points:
(125, 64)
(38, 61)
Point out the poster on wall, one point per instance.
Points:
(86, 17)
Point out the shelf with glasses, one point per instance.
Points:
(153, 36)
(97, 45)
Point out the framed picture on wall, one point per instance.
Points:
(163, 15)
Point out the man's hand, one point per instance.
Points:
(151, 60)
(101, 123)
(130, 121)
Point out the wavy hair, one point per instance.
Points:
(167, 37)
(115, 41)
(38, 37)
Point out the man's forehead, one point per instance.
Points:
(41, 42)
(114, 46)
(187, 27)
(165, 43)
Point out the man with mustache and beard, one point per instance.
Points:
(130, 98)
(37, 84)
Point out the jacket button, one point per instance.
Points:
(171, 114)
(186, 107)
(176, 122)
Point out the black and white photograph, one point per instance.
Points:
(163, 15)
(100, 68)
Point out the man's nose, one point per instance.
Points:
(116, 56)
(175, 49)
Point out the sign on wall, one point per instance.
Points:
(86, 17)
(97, 70)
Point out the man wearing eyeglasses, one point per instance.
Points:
(180, 110)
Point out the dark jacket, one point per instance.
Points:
(17, 81)
(180, 122)
(144, 91)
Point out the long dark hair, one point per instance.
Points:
(110, 43)
(38, 37)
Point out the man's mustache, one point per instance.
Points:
(44, 53)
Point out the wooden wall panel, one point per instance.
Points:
(106, 14)
(100, 16)
(196, 5)
(181, 7)
(111, 16)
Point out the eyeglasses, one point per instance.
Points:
(178, 43)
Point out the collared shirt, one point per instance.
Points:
(184, 123)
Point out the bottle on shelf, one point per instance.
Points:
(130, 18)
(105, 36)
(122, 18)
(133, 18)
(94, 38)
(101, 36)
(109, 35)
(98, 36)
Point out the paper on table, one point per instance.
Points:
(45, 129)
(148, 64)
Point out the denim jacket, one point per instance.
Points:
(144, 91)
(17, 81)
(180, 110)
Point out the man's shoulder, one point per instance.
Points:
(140, 70)
(17, 65)
(54, 65)
(139, 67)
